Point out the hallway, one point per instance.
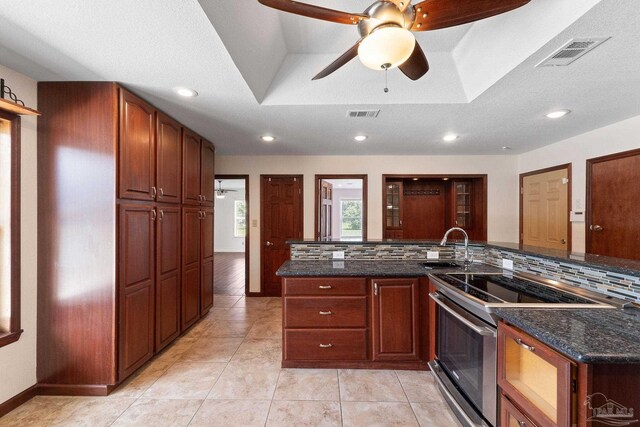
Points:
(229, 271)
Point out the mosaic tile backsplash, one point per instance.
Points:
(593, 278)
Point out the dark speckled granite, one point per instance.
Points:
(357, 268)
(584, 335)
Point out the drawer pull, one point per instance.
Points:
(325, 287)
(523, 345)
(522, 424)
(325, 313)
(326, 345)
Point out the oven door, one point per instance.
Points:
(466, 352)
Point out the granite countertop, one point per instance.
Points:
(368, 268)
(584, 335)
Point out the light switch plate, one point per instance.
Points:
(254, 222)
(507, 263)
(433, 254)
(338, 254)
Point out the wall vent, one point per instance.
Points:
(363, 114)
(571, 51)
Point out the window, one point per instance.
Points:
(9, 228)
(239, 218)
(350, 218)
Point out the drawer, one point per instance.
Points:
(332, 312)
(510, 415)
(325, 344)
(329, 286)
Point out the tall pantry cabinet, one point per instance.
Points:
(125, 256)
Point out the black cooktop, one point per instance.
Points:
(504, 288)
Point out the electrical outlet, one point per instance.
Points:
(338, 254)
(433, 254)
(254, 222)
(507, 263)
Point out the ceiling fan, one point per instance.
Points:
(220, 192)
(385, 28)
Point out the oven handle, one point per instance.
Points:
(481, 330)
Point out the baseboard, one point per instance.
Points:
(74, 389)
(17, 400)
(254, 294)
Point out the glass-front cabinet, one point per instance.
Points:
(462, 204)
(393, 210)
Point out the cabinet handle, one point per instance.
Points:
(161, 193)
(325, 313)
(523, 345)
(154, 215)
(326, 345)
(204, 198)
(325, 287)
(154, 192)
(375, 289)
(204, 214)
(161, 214)
(522, 424)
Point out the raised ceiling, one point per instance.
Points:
(252, 67)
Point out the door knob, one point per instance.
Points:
(269, 243)
(563, 241)
(595, 228)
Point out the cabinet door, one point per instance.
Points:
(137, 151)
(395, 319)
(191, 194)
(462, 204)
(168, 275)
(393, 195)
(510, 416)
(207, 177)
(169, 159)
(534, 377)
(136, 278)
(206, 260)
(190, 266)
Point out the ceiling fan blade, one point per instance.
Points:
(316, 12)
(416, 66)
(435, 14)
(342, 60)
(401, 4)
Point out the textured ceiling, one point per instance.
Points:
(253, 66)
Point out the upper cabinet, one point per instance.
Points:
(197, 170)
(393, 210)
(462, 206)
(169, 159)
(207, 176)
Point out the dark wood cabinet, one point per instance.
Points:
(207, 175)
(137, 151)
(191, 194)
(191, 219)
(393, 194)
(168, 159)
(511, 416)
(462, 204)
(206, 259)
(395, 319)
(136, 286)
(168, 275)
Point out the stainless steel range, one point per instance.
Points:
(466, 344)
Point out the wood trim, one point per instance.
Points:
(247, 239)
(566, 166)
(17, 400)
(409, 365)
(14, 332)
(588, 208)
(74, 389)
(365, 200)
(14, 108)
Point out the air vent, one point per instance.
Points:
(363, 114)
(571, 51)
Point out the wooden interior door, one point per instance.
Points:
(168, 275)
(326, 210)
(545, 209)
(190, 292)
(281, 218)
(206, 260)
(207, 176)
(613, 202)
(190, 168)
(137, 150)
(169, 159)
(135, 288)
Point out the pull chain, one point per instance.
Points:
(385, 67)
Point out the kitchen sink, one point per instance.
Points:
(440, 264)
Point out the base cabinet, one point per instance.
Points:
(510, 416)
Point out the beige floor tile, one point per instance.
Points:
(419, 386)
(308, 384)
(176, 350)
(159, 413)
(209, 349)
(240, 313)
(302, 414)
(274, 302)
(259, 351)
(266, 330)
(223, 301)
(186, 380)
(370, 386)
(245, 381)
(142, 380)
(252, 302)
(377, 414)
(231, 413)
(91, 411)
(435, 414)
(228, 329)
(39, 411)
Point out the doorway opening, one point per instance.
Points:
(231, 236)
(341, 207)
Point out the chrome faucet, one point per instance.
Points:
(467, 259)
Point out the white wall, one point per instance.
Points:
(621, 136)
(502, 192)
(224, 241)
(18, 360)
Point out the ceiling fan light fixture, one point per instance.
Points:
(219, 195)
(387, 46)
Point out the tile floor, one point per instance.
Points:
(226, 372)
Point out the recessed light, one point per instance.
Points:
(506, 148)
(415, 179)
(450, 137)
(445, 179)
(360, 138)
(267, 138)
(186, 92)
(558, 114)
